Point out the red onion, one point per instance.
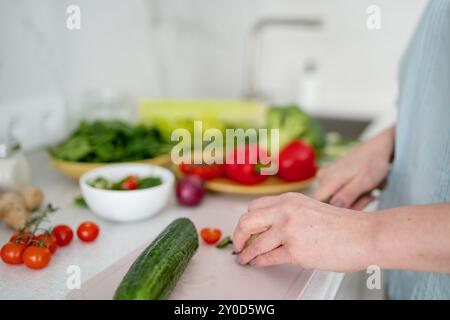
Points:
(190, 191)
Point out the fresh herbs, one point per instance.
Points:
(111, 141)
(34, 221)
(224, 242)
(80, 202)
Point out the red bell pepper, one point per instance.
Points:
(297, 162)
(245, 173)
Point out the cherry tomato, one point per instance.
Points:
(202, 171)
(48, 240)
(210, 235)
(297, 162)
(12, 252)
(63, 234)
(88, 231)
(22, 237)
(36, 257)
(130, 183)
(248, 172)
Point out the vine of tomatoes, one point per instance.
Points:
(34, 246)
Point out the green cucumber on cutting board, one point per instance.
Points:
(158, 268)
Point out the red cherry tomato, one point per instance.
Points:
(202, 171)
(88, 231)
(48, 240)
(297, 162)
(63, 234)
(130, 183)
(210, 235)
(36, 257)
(22, 237)
(248, 172)
(12, 252)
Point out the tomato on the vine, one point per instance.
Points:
(63, 234)
(23, 237)
(12, 252)
(36, 257)
(48, 240)
(88, 231)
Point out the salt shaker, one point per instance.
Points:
(15, 172)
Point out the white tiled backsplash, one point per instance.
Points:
(196, 49)
(36, 122)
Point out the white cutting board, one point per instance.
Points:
(212, 273)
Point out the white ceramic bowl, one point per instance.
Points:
(130, 205)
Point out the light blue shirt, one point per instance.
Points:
(421, 168)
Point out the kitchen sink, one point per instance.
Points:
(349, 129)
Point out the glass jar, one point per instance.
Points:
(15, 172)
(107, 104)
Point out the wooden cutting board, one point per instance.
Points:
(272, 186)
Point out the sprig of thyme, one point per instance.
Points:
(34, 221)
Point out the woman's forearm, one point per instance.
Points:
(413, 238)
(387, 138)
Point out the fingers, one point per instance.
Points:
(362, 202)
(263, 202)
(265, 242)
(347, 195)
(253, 222)
(277, 256)
(327, 188)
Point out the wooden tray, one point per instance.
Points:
(75, 170)
(272, 185)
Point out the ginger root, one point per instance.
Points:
(16, 207)
(33, 197)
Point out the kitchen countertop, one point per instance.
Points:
(18, 282)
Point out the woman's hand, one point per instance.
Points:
(344, 182)
(293, 228)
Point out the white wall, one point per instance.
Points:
(196, 49)
(357, 66)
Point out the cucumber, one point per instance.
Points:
(156, 271)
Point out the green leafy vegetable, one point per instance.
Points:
(149, 182)
(111, 141)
